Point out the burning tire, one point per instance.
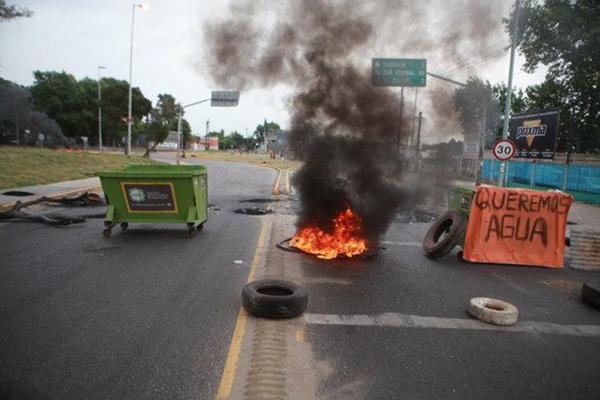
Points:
(493, 311)
(446, 232)
(590, 293)
(275, 299)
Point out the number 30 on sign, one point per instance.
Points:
(504, 149)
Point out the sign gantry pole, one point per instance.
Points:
(402, 72)
(225, 98)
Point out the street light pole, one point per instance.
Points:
(100, 108)
(509, 89)
(129, 118)
(179, 135)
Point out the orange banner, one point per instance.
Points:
(517, 226)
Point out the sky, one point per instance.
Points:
(79, 35)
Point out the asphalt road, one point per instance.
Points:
(150, 314)
(145, 314)
(377, 360)
(395, 326)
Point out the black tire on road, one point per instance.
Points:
(275, 299)
(590, 292)
(455, 224)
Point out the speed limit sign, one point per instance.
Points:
(504, 149)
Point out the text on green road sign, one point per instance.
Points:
(410, 72)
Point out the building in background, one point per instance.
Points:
(201, 144)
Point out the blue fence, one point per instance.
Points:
(583, 181)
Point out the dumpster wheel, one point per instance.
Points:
(191, 229)
(106, 232)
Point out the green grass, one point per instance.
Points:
(258, 159)
(30, 166)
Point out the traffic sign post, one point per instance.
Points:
(504, 149)
(403, 72)
(219, 98)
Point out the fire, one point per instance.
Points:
(345, 239)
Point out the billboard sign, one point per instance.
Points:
(409, 72)
(534, 134)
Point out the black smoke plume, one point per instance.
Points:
(17, 115)
(346, 131)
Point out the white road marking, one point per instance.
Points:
(396, 320)
(393, 243)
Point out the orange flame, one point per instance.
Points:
(345, 239)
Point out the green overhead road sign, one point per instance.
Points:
(410, 72)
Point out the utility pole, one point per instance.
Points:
(100, 108)
(129, 117)
(481, 145)
(418, 147)
(509, 89)
(180, 116)
(265, 141)
(17, 126)
(206, 146)
(414, 116)
(128, 150)
(400, 125)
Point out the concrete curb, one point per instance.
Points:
(8, 206)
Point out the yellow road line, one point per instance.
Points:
(288, 187)
(276, 184)
(233, 356)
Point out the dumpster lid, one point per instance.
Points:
(154, 171)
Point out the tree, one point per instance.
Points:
(164, 118)
(15, 111)
(564, 35)
(115, 94)
(237, 140)
(186, 133)
(157, 132)
(88, 112)
(549, 95)
(259, 132)
(476, 103)
(11, 12)
(63, 99)
(518, 99)
(74, 106)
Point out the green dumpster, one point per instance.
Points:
(155, 194)
(460, 200)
